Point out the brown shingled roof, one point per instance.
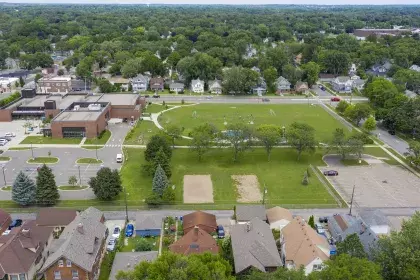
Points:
(196, 241)
(203, 220)
(52, 217)
(4, 218)
(340, 221)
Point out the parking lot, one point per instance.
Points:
(17, 128)
(376, 185)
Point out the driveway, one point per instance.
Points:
(320, 92)
(376, 185)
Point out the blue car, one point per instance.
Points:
(129, 230)
(220, 231)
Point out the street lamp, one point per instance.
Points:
(96, 148)
(32, 150)
(4, 175)
(264, 193)
(284, 133)
(126, 207)
(80, 177)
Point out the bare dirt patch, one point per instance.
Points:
(248, 188)
(198, 189)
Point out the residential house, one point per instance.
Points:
(323, 77)
(215, 87)
(253, 246)
(359, 84)
(301, 87)
(77, 253)
(197, 86)
(256, 69)
(23, 251)
(303, 246)
(57, 84)
(55, 218)
(148, 225)
(283, 84)
(380, 69)
(260, 88)
(157, 84)
(278, 217)
(415, 67)
(298, 59)
(203, 220)
(126, 261)
(410, 94)
(352, 70)
(196, 241)
(250, 52)
(5, 221)
(140, 83)
(176, 87)
(342, 84)
(120, 82)
(342, 225)
(376, 221)
(245, 213)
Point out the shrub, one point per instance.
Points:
(143, 245)
(9, 99)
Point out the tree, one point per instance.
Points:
(202, 138)
(21, 82)
(342, 106)
(397, 254)
(177, 266)
(269, 135)
(168, 196)
(358, 112)
(301, 136)
(72, 180)
(161, 160)
(292, 74)
(227, 252)
(155, 143)
(311, 221)
(311, 72)
(131, 68)
(379, 91)
(413, 154)
(105, 86)
(239, 135)
(344, 145)
(143, 245)
(23, 190)
(160, 181)
(46, 188)
(60, 72)
(345, 267)
(281, 273)
(174, 132)
(270, 77)
(369, 124)
(201, 65)
(239, 80)
(107, 184)
(334, 61)
(351, 246)
(153, 199)
(305, 180)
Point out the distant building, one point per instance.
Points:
(8, 84)
(215, 87)
(301, 87)
(57, 84)
(342, 84)
(415, 68)
(157, 84)
(197, 86)
(140, 83)
(245, 213)
(361, 34)
(203, 220)
(283, 84)
(123, 83)
(176, 87)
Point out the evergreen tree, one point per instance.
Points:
(21, 82)
(311, 221)
(162, 160)
(23, 190)
(107, 184)
(160, 181)
(46, 188)
(305, 180)
(155, 143)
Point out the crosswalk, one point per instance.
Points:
(113, 145)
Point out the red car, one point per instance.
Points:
(335, 99)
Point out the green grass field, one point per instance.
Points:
(99, 140)
(154, 108)
(43, 160)
(279, 114)
(50, 140)
(282, 175)
(92, 147)
(89, 161)
(18, 148)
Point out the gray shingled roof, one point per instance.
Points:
(176, 85)
(128, 260)
(194, 82)
(80, 242)
(373, 217)
(248, 212)
(253, 245)
(148, 222)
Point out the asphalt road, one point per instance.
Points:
(321, 93)
(393, 141)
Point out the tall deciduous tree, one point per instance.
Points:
(269, 135)
(311, 72)
(239, 135)
(46, 188)
(174, 132)
(202, 138)
(351, 246)
(23, 190)
(413, 154)
(107, 184)
(270, 76)
(370, 124)
(160, 181)
(358, 112)
(342, 106)
(301, 136)
(239, 80)
(155, 143)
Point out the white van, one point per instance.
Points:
(119, 158)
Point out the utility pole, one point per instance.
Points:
(264, 193)
(126, 207)
(4, 176)
(96, 148)
(32, 151)
(80, 177)
(352, 197)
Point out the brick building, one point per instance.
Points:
(57, 84)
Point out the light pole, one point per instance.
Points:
(4, 175)
(284, 133)
(126, 207)
(265, 192)
(96, 148)
(32, 151)
(352, 197)
(80, 177)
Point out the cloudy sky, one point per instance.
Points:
(230, 2)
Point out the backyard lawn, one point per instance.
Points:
(50, 140)
(255, 114)
(132, 241)
(282, 176)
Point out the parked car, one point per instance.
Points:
(391, 131)
(265, 100)
(2, 143)
(319, 228)
(322, 88)
(156, 96)
(10, 134)
(220, 231)
(15, 223)
(331, 173)
(209, 97)
(111, 244)
(335, 99)
(119, 158)
(323, 219)
(129, 229)
(117, 231)
(146, 96)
